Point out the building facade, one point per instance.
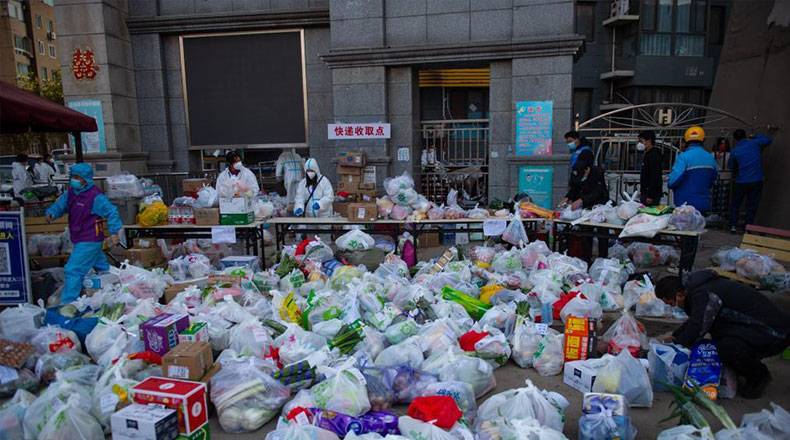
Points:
(27, 39)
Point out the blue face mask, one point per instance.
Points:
(571, 146)
(76, 184)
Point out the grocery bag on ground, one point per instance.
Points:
(610, 271)
(408, 352)
(774, 424)
(415, 429)
(581, 307)
(625, 375)
(69, 421)
(645, 225)
(355, 240)
(685, 432)
(625, 334)
(668, 364)
(528, 402)
(524, 342)
(407, 383)
(245, 394)
(12, 414)
(548, 358)
(515, 233)
(601, 424)
(343, 390)
(461, 392)
(452, 365)
(298, 431)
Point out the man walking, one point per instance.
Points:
(747, 163)
(651, 183)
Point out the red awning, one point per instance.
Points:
(22, 111)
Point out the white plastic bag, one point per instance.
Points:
(296, 431)
(207, 197)
(668, 364)
(581, 307)
(774, 424)
(687, 218)
(625, 375)
(70, 422)
(355, 240)
(515, 233)
(343, 390)
(251, 338)
(12, 414)
(454, 365)
(124, 186)
(629, 206)
(418, 430)
(549, 358)
(507, 262)
(524, 342)
(408, 352)
(526, 403)
(685, 432)
(645, 225)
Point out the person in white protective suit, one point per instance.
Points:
(314, 194)
(290, 167)
(236, 176)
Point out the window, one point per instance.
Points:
(585, 20)
(582, 104)
(50, 2)
(717, 25)
(44, 73)
(22, 45)
(50, 26)
(673, 27)
(22, 69)
(41, 50)
(38, 21)
(15, 10)
(52, 51)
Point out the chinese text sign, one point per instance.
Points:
(91, 142)
(14, 271)
(358, 131)
(537, 183)
(533, 128)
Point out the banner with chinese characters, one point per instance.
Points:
(533, 128)
(91, 142)
(537, 183)
(14, 270)
(358, 131)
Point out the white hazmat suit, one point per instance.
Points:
(230, 185)
(290, 166)
(314, 201)
(21, 178)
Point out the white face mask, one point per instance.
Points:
(640, 147)
(237, 166)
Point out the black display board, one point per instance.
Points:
(245, 89)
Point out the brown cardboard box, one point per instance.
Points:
(349, 183)
(188, 360)
(192, 186)
(362, 211)
(344, 170)
(429, 239)
(148, 257)
(367, 186)
(340, 207)
(366, 195)
(351, 159)
(206, 216)
(174, 289)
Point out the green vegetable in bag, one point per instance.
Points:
(473, 306)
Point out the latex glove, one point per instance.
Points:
(298, 211)
(316, 206)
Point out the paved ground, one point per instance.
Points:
(645, 419)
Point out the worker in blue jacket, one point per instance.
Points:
(746, 161)
(87, 208)
(694, 172)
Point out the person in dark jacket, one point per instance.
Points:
(587, 189)
(745, 325)
(581, 152)
(747, 162)
(651, 183)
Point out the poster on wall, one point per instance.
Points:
(14, 270)
(533, 128)
(91, 142)
(537, 182)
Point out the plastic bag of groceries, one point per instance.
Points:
(245, 394)
(416, 429)
(461, 392)
(625, 375)
(71, 388)
(408, 352)
(343, 390)
(152, 212)
(600, 423)
(12, 414)
(686, 432)
(629, 206)
(645, 225)
(525, 340)
(70, 422)
(124, 186)
(298, 431)
(251, 338)
(571, 214)
(143, 283)
(687, 218)
(109, 340)
(507, 262)
(773, 424)
(642, 294)
(549, 358)
(207, 197)
(355, 240)
(626, 333)
(756, 266)
(395, 184)
(53, 339)
(452, 364)
(405, 382)
(436, 213)
(648, 255)
(295, 344)
(668, 364)
(515, 233)
(582, 307)
(529, 402)
(47, 245)
(726, 257)
(611, 271)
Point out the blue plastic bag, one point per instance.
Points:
(79, 325)
(704, 368)
(668, 364)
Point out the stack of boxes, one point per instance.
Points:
(203, 216)
(358, 180)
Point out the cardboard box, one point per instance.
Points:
(366, 196)
(367, 187)
(344, 170)
(174, 289)
(236, 211)
(369, 175)
(351, 159)
(340, 207)
(203, 433)
(206, 216)
(144, 422)
(196, 332)
(349, 183)
(429, 239)
(188, 360)
(145, 257)
(160, 333)
(580, 338)
(580, 375)
(186, 397)
(192, 186)
(615, 403)
(362, 211)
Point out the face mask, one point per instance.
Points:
(311, 174)
(571, 146)
(76, 184)
(640, 147)
(237, 166)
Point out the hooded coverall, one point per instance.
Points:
(86, 206)
(226, 180)
(290, 166)
(314, 201)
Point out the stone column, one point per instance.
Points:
(100, 25)
(403, 108)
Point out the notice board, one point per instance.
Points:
(537, 182)
(533, 128)
(14, 270)
(245, 89)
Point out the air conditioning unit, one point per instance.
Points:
(51, 36)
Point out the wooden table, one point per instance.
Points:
(686, 241)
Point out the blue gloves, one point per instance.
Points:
(298, 212)
(316, 206)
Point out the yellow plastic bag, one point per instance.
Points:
(154, 214)
(489, 290)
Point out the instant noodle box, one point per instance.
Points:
(580, 338)
(160, 333)
(186, 397)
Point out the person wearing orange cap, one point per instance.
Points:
(693, 173)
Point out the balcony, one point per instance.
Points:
(617, 74)
(620, 20)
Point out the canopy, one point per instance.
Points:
(22, 111)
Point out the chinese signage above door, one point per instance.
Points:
(533, 128)
(358, 131)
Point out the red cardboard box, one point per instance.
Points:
(186, 397)
(580, 338)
